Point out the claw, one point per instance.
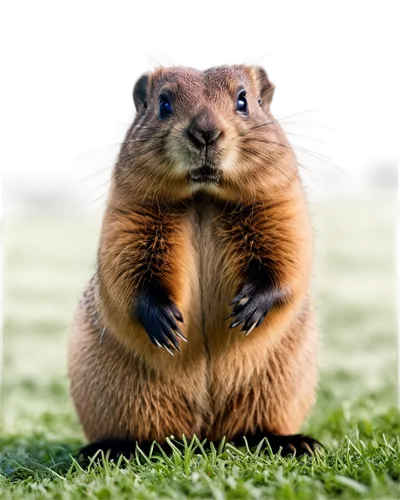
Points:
(237, 299)
(172, 343)
(308, 448)
(234, 324)
(243, 301)
(168, 350)
(176, 312)
(231, 315)
(177, 348)
(246, 332)
(179, 334)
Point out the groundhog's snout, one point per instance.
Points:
(204, 135)
(203, 130)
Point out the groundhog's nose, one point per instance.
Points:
(203, 129)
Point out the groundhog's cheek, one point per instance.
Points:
(229, 163)
(178, 157)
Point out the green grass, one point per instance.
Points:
(47, 261)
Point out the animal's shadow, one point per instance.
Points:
(35, 457)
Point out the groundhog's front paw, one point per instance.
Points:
(250, 307)
(159, 316)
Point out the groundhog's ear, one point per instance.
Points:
(141, 91)
(264, 86)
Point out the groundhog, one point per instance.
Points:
(198, 320)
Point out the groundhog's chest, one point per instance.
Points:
(216, 281)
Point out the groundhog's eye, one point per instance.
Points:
(241, 102)
(165, 107)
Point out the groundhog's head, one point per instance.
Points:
(210, 131)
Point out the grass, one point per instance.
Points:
(47, 262)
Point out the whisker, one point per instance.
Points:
(137, 187)
(91, 151)
(103, 187)
(148, 139)
(291, 124)
(95, 174)
(307, 138)
(314, 154)
(304, 167)
(297, 114)
(143, 163)
(308, 124)
(257, 157)
(151, 184)
(99, 152)
(155, 177)
(255, 127)
(98, 198)
(318, 156)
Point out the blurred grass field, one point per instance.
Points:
(47, 261)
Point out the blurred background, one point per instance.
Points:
(65, 191)
(49, 235)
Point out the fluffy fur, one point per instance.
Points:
(215, 273)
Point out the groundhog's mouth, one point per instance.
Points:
(205, 174)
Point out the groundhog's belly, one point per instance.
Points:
(235, 384)
(211, 394)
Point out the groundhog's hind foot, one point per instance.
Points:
(295, 444)
(112, 450)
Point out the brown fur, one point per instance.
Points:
(197, 242)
